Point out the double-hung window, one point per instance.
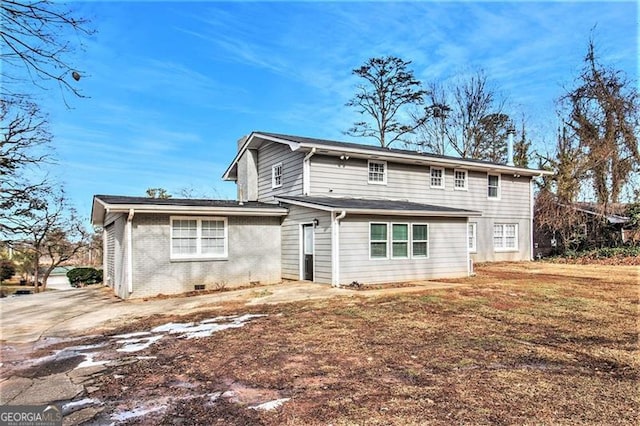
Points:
(378, 239)
(198, 238)
(505, 237)
(377, 172)
(276, 175)
(400, 240)
(460, 180)
(493, 186)
(437, 177)
(420, 240)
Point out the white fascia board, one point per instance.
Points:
(419, 159)
(252, 137)
(219, 211)
(98, 210)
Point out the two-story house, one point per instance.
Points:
(323, 211)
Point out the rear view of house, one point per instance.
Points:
(322, 211)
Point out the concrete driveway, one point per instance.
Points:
(61, 314)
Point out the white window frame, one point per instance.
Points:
(389, 241)
(198, 255)
(499, 187)
(276, 178)
(472, 237)
(407, 241)
(502, 247)
(413, 240)
(386, 241)
(431, 177)
(464, 181)
(384, 172)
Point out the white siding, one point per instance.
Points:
(271, 154)
(291, 234)
(447, 251)
(333, 177)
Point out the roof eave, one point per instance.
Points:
(228, 176)
(424, 213)
(429, 160)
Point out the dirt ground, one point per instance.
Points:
(519, 343)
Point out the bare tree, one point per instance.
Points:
(35, 38)
(465, 118)
(389, 89)
(23, 145)
(602, 116)
(521, 148)
(431, 132)
(48, 228)
(472, 102)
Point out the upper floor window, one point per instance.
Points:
(276, 175)
(198, 238)
(505, 236)
(460, 179)
(437, 177)
(377, 172)
(493, 186)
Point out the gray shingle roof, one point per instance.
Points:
(185, 202)
(381, 206)
(347, 145)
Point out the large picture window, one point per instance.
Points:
(398, 240)
(198, 238)
(505, 237)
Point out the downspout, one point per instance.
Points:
(531, 213)
(335, 249)
(130, 251)
(306, 172)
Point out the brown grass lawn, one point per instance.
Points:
(529, 343)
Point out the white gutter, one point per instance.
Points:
(130, 251)
(223, 211)
(335, 247)
(306, 172)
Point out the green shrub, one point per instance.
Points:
(80, 276)
(7, 270)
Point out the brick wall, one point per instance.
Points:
(253, 256)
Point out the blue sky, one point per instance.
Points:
(173, 85)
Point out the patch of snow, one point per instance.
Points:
(135, 345)
(270, 405)
(214, 396)
(130, 335)
(89, 362)
(72, 406)
(172, 327)
(147, 357)
(136, 412)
